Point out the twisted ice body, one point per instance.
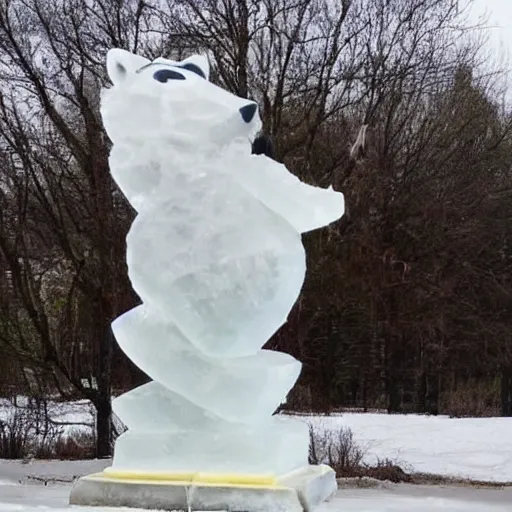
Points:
(215, 254)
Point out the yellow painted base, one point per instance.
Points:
(298, 491)
(199, 478)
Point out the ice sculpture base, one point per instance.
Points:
(300, 491)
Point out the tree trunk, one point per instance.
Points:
(394, 401)
(433, 395)
(506, 391)
(103, 427)
(421, 402)
(103, 403)
(392, 379)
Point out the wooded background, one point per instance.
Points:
(408, 298)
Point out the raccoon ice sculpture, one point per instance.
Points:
(215, 254)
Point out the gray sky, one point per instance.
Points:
(499, 22)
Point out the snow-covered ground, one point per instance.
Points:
(15, 472)
(406, 498)
(479, 449)
(474, 448)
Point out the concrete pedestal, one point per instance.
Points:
(300, 491)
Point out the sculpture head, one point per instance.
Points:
(172, 101)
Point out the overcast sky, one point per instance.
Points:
(499, 22)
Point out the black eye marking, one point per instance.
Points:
(163, 75)
(247, 112)
(195, 69)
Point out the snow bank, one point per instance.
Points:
(475, 448)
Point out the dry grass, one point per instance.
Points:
(77, 445)
(14, 439)
(335, 448)
(474, 399)
(27, 432)
(431, 479)
(341, 453)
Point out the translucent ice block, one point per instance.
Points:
(215, 253)
(246, 389)
(153, 408)
(228, 284)
(277, 446)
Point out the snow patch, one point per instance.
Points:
(473, 448)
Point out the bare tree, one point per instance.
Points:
(64, 223)
(407, 293)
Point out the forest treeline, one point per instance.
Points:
(407, 304)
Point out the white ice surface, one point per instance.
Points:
(215, 253)
(242, 390)
(191, 438)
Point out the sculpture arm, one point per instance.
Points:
(304, 206)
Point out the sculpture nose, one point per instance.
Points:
(248, 111)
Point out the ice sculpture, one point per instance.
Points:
(215, 254)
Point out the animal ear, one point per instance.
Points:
(197, 64)
(121, 63)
